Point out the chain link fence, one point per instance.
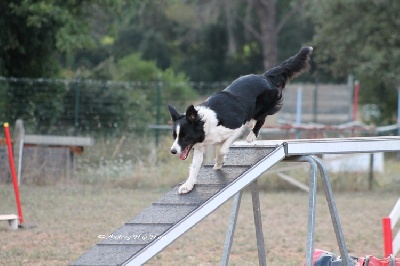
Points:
(102, 108)
(119, 116)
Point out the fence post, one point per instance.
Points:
(371, 172)
(398, 117)
(350, 85)
(355, 99)
(19, 136)
(315, 100)
(299, 109)
(158, 110)
(77, 96)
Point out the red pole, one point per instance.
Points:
(387, 236)
(13, 174)
(355, 99)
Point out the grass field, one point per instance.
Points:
(70, 218)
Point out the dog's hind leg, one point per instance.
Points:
(223, 151)
(194, 170)
(250, 124)
(219, 158)
(251, 137)
(256, 129)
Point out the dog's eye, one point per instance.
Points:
(174, 135)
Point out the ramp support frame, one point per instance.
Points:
(315, 165)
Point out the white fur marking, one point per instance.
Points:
(194, 169)
(175, 145)
(214, 134)
(251, 137)
(251, 123)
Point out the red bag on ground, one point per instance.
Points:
(372, 261)
(325, 258)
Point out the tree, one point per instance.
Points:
(34, 31)
(360, 37)
(269, 27)
(142, 99)
(145, 29)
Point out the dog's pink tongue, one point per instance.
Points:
(184, 154)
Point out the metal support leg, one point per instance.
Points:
(231, 228)
(333, 211)
(262, 258)
(315, 164)
(312, 200)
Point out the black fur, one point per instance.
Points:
(191, 127)
(221, 118)
(256, 96)
(248, 97)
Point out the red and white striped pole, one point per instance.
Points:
(13, 174)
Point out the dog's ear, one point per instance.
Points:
(191, 114)
(174, 113)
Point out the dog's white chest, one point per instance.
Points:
(219, 134)
(215, 134)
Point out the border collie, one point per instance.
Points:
(221, 119)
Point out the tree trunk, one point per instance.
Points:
(268, 32)
(230, 17)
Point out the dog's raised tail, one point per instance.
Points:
(290, 68)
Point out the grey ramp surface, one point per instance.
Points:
(155, 222)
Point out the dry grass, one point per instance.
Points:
(71, 214)
(70, 218)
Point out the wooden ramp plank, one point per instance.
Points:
(108, 255)
(246, 156)
(161, 213)
(136, 234)
(224, 176)
(197, 196)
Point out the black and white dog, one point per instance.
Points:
(221, 119)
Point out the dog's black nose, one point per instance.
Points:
(173, 151)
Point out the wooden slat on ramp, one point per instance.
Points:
(165, 220)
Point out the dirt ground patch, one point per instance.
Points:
(69, 220)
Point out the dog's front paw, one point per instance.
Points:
(185, 188)
(217, 166)
(251, 137)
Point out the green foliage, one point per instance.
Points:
(37, 102)
(144, 28)
(204, 62)
(358, 37)
(154, 47)
(209, 41)
(245, 61)
(33, 31)
(190, 37)
(174, 86)
(132, 67)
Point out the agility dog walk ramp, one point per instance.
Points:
(167, 219)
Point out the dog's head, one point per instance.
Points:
(187, 130)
